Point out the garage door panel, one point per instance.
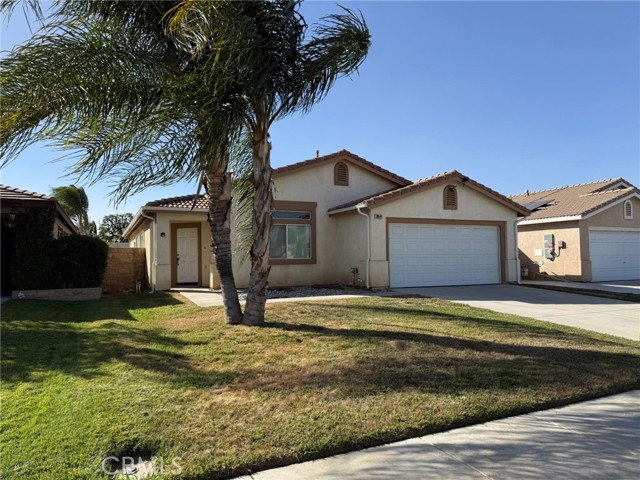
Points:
(615, 255)
(430, 255)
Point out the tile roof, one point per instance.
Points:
(185, 201)
(341, 154)
(427, 183)
(17, 197)
(576, 200)
(12, 193)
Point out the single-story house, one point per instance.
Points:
(339, 218)
(588, 232)
(13, 202)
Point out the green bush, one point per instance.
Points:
(80, 261)
(41, 262)
(32, 266)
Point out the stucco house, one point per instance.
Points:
(340, 216)
(588, 232)
(13, 202)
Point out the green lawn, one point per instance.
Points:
(152, 375)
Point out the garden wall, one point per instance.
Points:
(125, 266)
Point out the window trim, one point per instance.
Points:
(336, 179)
(446, 205)
(624, 210)
(296, 206)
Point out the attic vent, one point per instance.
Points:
(341, 174)
(450, 197)
(628, 210)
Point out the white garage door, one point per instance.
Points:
(431, 255)
(615, 255)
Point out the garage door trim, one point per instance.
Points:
(438, 221)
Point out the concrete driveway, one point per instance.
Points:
(604, 315)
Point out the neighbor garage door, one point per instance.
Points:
(429, 255)
(615, 255)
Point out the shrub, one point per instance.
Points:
(32, 264)
(81, 261)
(41, 262)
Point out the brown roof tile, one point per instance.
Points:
(428, 183)
(12, 193)
(185, 201)
(575, 200)
(341, 154)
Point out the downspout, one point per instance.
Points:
(154, 246)
(358, 207)
(515, 243)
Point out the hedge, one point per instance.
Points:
(42, 262)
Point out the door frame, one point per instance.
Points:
(501, 225)
(174, 250)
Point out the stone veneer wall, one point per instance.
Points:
(125, 266)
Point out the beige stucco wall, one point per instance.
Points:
(568, 264)
(316, 185)
(574, 263)
(164, 221)
(428, 204)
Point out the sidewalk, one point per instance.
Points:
(625, 286)
(598, 439)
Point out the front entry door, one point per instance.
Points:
(187, 255)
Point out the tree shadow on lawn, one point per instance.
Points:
(400, 361)
(474, 316)
(64, 342)
(107, 308)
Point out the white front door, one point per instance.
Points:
(187, 255)
(425, 255)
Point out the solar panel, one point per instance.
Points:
(533, 206)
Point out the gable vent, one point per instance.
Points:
(628, 210)
(341, 174)
(450, 198)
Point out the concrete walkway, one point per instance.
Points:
(598, 439)
(604, 315)
(204, 297)
(624, 286)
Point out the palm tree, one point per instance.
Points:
(107, 79)
(285, 71)
(75, 202)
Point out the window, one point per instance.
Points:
(293, 233)
(341, 174)
(628, 210)
(450, 198)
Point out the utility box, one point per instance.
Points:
(549, 247)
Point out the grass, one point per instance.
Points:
(627, 297)
(152, 375)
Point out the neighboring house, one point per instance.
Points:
(339, 213)
(13, 202)
(598, 222)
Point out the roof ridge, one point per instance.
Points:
(23, 191)
(344, 151)
(610, 180)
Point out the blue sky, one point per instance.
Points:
(513, 94)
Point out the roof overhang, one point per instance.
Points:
(139, 217)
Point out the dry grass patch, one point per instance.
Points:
(156, 375)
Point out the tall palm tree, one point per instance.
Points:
(75, 202)
(108, 79)
(285, 71)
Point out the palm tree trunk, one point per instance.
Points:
(219, 217)
(262, 200)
